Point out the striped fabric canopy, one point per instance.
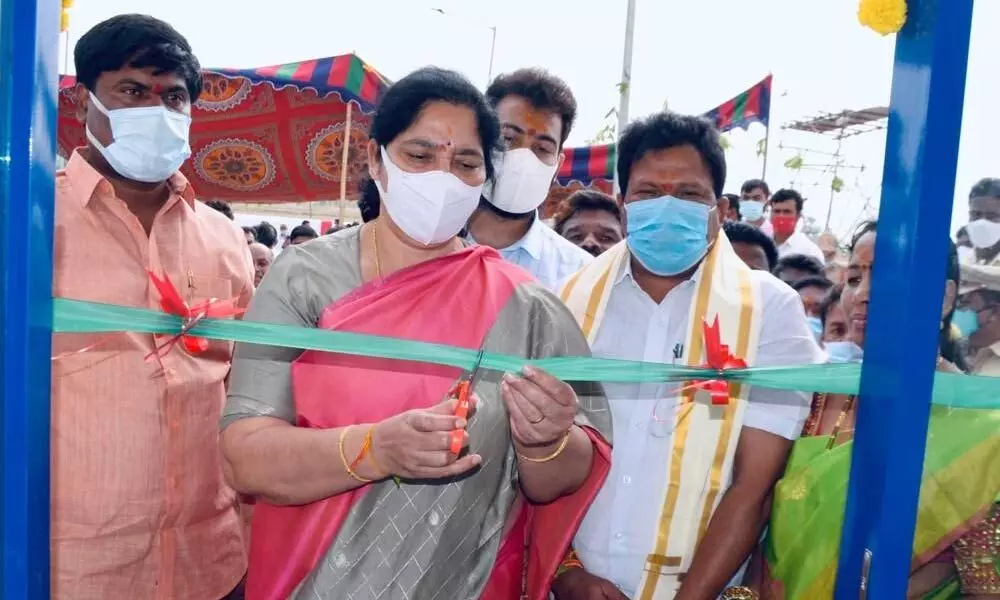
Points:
(591, 163)
(346, 75)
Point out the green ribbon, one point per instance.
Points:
(77, 316)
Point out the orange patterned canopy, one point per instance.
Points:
(272, 134)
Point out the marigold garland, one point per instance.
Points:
(884, 16)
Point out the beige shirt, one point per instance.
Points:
(139, 505)
(986, 362)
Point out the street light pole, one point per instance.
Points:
(493, 48)
(625, 85)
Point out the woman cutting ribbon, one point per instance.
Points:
(955, 548)
(351, 458)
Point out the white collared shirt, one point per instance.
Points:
(619, 529)
(799, 243)
(548, 256)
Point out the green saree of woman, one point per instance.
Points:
(961, 482)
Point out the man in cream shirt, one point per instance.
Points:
(684, 503)
(978, 317)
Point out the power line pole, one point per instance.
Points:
(624, 86)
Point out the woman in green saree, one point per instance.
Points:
(955, 548)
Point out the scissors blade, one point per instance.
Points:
(476, 370)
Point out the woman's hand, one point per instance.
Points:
(541, 407)
(416, 444)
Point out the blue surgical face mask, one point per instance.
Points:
(816, 325)
(843, 352)
(966, 320)
(667, 235)
(751, 210)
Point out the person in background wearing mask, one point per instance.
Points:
(732, 213)
(984, 221)
(954, 550)
(301, 234)
(536, 111)
(365, 457)
(796, 267)
(283, 235)
(966, 251)
(753, 200)
(812, 290)
(139, 505)
(786, 212)
(752, 245)
(978, 317)
(651, 532)
(592, 220)
(262, 257)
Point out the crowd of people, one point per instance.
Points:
(352, 477)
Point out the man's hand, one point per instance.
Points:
(577, 584)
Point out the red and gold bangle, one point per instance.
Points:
(572, 561)
(349, 467)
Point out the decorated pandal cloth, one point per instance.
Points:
(270, 134)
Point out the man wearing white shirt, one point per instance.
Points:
(686, 499)
(536, 111)
(984, 222)
(786, 212)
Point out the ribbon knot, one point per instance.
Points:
(172, 303)
(718, 358)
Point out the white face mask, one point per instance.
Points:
(522, 182)
(751, 210)
(149, 143)
(983, 234)
(432, 207)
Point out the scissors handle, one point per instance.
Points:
(461, 392)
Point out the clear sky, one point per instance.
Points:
(692, 55)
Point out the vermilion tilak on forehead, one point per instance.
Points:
(535, 122)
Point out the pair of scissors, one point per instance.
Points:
(463, 392)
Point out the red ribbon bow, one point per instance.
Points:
(718, 358)
(172, 303)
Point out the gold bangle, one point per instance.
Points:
(551, 457)
(739, 593)
(343, 457)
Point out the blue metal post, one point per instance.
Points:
(29, 47)
(918, 185)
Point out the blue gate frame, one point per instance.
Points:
(29, 46)
(918, 184)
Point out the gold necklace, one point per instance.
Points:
(378, 263)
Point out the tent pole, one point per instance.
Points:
(344, 156)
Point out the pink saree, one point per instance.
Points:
(453, 300)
